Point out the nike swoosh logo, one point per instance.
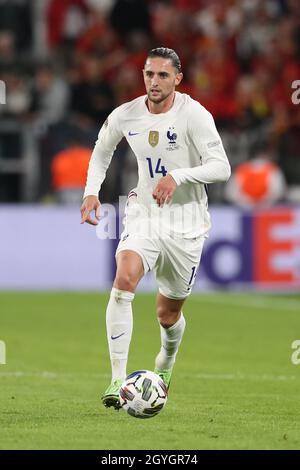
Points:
(116, 337)
(132, 133)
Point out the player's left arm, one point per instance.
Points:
(164, 190)
(214, 165)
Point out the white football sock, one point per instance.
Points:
(170, 342)
(119, 330)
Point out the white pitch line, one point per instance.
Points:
(263, 377)
(263, 303)
(50, 375)
(44, 374)
(203, 376)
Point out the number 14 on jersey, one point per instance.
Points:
(159, 169)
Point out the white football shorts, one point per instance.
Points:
(173, 260)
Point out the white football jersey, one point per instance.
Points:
(183, 142)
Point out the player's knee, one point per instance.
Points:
(125, 281)
(167, 317)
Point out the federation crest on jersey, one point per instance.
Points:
(153, 138)
(172, 138)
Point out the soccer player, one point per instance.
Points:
(179, 152)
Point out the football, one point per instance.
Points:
(143, 394)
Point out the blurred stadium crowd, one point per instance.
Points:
(67, 63)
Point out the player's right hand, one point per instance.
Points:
(89, 204)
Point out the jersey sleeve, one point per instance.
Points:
(108, 138)
(214, 165)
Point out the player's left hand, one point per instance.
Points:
(164, 190)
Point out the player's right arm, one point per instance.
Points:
(89, 204)
(109, 136)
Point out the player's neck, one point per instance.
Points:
(163, 106)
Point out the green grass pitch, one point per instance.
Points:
(234, 385)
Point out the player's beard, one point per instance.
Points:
(159, 98)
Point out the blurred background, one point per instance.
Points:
(65, 65)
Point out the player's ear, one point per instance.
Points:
(179, 77)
